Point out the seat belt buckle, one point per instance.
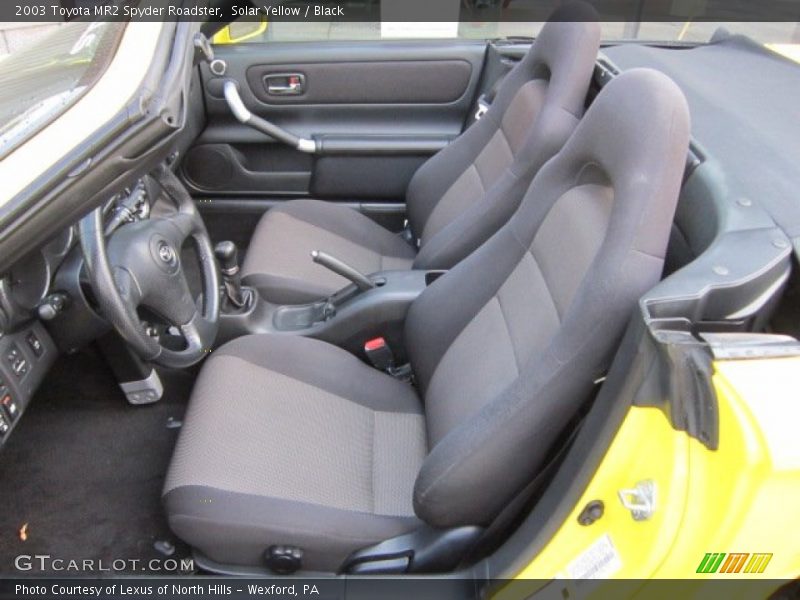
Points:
(483, 107)
(408, 235)
(379, 354)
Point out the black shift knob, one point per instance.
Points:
(228, 256)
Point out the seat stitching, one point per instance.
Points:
(648, 254)
(424, 493)
(504, 137)
(302, 220)
(474, 165)
(577, 116)
(426, 234)
(334, 234)
(322, 389)
(327, 391)
(546, 285)
(339, 236)
(278, 529)
(508, 330)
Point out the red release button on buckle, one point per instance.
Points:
(375, 344)
(379, 354)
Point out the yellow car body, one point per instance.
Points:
(721, 513)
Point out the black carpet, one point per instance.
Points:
(85, 470)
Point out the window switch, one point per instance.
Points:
(34, 344)
(13, 355)
(20, 368)
(4, 426)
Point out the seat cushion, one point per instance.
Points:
(278, 262)
(290, 440)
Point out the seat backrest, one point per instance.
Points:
(466, 192)
(506, 346)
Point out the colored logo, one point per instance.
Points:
(733, 562)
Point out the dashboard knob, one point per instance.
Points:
(51, 306)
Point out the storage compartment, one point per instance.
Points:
(431, 276)
(376, 177)
(259, 168)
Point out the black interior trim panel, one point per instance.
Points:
(369, 82)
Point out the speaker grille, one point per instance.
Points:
(208, 167)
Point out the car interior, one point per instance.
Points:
(374, 307)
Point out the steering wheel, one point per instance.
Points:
(140, 266)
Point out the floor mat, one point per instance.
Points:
(84, 470)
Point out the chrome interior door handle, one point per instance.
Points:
(285, 84)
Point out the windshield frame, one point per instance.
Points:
(27, 124)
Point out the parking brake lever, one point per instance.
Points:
(362, 282)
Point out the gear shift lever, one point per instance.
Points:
(227, 256)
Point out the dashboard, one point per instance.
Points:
(29, 289)
(25, 287)
(47, 306)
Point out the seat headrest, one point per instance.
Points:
(632, 125)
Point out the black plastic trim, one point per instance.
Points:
(425, 550)
(393, 145)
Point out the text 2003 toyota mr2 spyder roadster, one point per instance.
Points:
(460, 307)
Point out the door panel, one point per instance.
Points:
(369, 82)
(378, 110)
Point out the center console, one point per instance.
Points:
(348, 318)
